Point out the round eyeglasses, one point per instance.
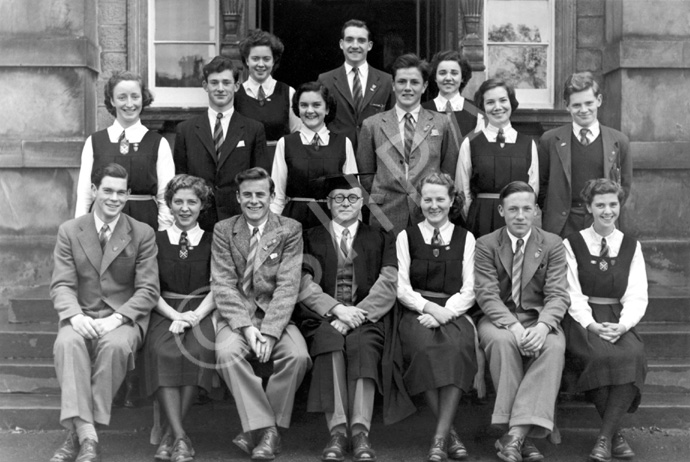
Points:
(339, 198)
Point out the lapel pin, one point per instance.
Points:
(436, 252)
(447, 247)
(563, 144)
(426, 129)
(537, 253)
(373, 87)
(136, 147)
(603, 265)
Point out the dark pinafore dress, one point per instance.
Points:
(601, 363)
(305, 164)
(189, 358)
(274, 114)
(140, 163)
(434, 358)
(493, 167)
(464, 120)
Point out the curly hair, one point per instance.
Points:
(599, 186)
(316, 87)
(260, 38)
(580, 81)
(443, 179)
(452, 55)
(183, 181)
(122, 76)
(490, 85)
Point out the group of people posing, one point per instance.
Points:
(389, 246)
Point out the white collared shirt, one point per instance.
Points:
(634, 300)
(363, 76)
(338, 231)
(457, 103)
(193, 235)
(400, 114)
(463, 170)
(111, 225)
(594, 131)
(279, 171)
(260, 228)
(224, 122)
(251, 88)
(458, 303)
(165, 171)
(514, 239)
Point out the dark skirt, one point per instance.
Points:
(179, 360)
(600, 363)
(434, 358)
(483, 217)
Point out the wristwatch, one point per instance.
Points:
(120, 318)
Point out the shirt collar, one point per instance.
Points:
(362, 68)
(338, 229)
(598, 236)
(514, 239)
(594, 130)
(441, 230)
(116, 130)
(111, 225)
(212, 114)
(193, 235)
(400, 113)
(309, 133)
(260, 227)
(268, 85)
(457, 102)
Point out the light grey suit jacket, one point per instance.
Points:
(277, 271)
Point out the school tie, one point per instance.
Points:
(262, 96)
(409, 136)
(316, 141)
(343, 242)
(436, 239)
(184, 243)
(449, 108)
(218, 134)
(249, 269)
(518, 258)
(500, 137)
(103, 236)
(604, 248)
(124, 143)
(583, 136)
(356, 89)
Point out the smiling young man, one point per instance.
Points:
(571, 155)
(221, 143)
(104, 285)
(255, 271)
(521, 288)
(402, 146)
(360, 90)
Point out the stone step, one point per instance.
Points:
(32, 306)
(668, 376)
(28, 375)
(666, 340)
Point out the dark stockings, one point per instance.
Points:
(444, 404)
(612, 403)
(176, 402)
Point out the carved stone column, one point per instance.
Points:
(233, 28)
(472, 44)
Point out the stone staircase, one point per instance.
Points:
(29, 392)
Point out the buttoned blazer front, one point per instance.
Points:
(378, 97)
(555, 168)
(544, 281)
(195, 154)
(277, 270)
(123, 277)
(393, 189)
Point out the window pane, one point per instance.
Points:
(522, 66)
(518, 21)
(181, 65)
(186, 20)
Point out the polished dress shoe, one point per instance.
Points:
(182, 450)
(165, 449)
(509, 448)
(89, 451)
(620, 449)
(601, 452)
(245, 441)
(335, 449)
(530, 453)
(456, 450)
(437, 451)
(69, 449)
(268, 446)
(361, 448)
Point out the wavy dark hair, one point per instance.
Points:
(599, 186)
(452, 55)
(122, 76)
(490, 85)
(580, 81)
(321, 89)
(261, 38)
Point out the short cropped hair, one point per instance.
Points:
(599, 186)
(580, 81)
(197, 185)
(514, 188)
(112, 170)
(452, 55)
(260, 38)
(443, 179)
(220, 64)
(355, 23)
(316, 87)
(411, 60)
(255, 174)
(490, 85)
(121, 76)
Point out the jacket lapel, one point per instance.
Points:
(118, 241)
(563, 139)
(88, 238)
(423, 128)
(240, 237)
(234, 135)
(203, 132)
(391, 129)
(505, 253)
(534, 254)
(340, 83)
(611, 150)
(270, 239)
(371, 88)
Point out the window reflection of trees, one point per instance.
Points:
(190, 75)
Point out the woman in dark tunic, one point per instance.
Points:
(608, 292)
(436, 289)
(179, 348)
(144, 154)
(263, 98)
(307, 155)
(494, 157)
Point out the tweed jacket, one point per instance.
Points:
(277, 270)
(123, 277)
(544, 281)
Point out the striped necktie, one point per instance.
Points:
(103, 236)
(218, 134)
(500, 137)
(184, 246)
(316, 141)
(343, 242)
(583, 136)
(604, 248)
(518, 258)
(124, 143)
(356, 89)
(436, 239)
(249, 269)
(409, 136)
(261, 96)
(449, 108)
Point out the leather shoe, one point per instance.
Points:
(620, 449)
(509, 448)
(89, 451)
(361, 448)
(245, 441)
(68, 450)
(530, 453)
(456, 450)
(601, 452)
(335, 449)
(165, 449)
(437, 451)
(268, 446)
(182, 450)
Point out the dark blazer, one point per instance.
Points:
(555, 165)
(544, 282)
(195, 154)
(123, 277)
(378, 97)
(277, 269)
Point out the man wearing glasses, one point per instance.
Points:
(348, 285)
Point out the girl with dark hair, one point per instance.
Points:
(494, 157)
(311, 153)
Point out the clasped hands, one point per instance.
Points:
(435, 315)
(530, 340)
(609, 331)
(347, 318)
(262, 345)
(184, 321)
(91, 328)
